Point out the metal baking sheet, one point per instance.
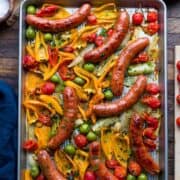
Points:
(130, 5)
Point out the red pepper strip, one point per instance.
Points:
(65, 72)
(47, 11)
(30, 145)
(53, 55)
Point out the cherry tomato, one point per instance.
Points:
(178, 121)
(178, 65)
(111, 164)
(150, 144)
(48, 88)
(178, 78)
(69, 49)
(134, 168)
(80, 140)
(141, 58)
(149, 133)
(53, 56)
(137, 18)
(110, 32)
(92, 20)
(44, 119)
(90, 38)
(30, 145)
(47, 11)
(152, 16)
(99, 40)
(65, 72)
(29, 62)
(178, 99)
(153, 88)
(151, 121)
(152, 102)
(120, 172)
(153, 28)
(89, 175)
(40, 177)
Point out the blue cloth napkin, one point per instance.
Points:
(8, 132)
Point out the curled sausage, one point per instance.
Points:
(125, 57)
(113, 42)
(70, 22)
(67, 124)
(142, 155)
(116, 107)
(48, 167)
(94, 156)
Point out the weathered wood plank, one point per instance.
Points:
(174, 25)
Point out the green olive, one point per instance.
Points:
(70, 149)
(89, 67)
(108, 94)
(55, 78)
(142, 176)
(34, 171)
(84, 128)
(30, 33)
(91, 136)
(79, 81)
(59, 88)
(31, 9)
(131, 177)
(48, 37)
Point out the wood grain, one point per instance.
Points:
(9, 65)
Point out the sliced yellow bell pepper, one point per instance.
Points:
(53, 102)
(81, 110)
(38, 103)
(81, 159)
(106, 142)
(27, 175)
(79, 91)
(64, 163)
(66, 55)
(31, 113)
(41, 49)
(42, 134)
(30, 50)
(44, 67)
(105, 6)
(121, 147)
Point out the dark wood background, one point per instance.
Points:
(9, 65)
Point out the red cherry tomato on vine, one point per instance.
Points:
(80, 140)
(30, 145)
(89, 175)
(149, 133)
(150, 144)
(111, 164)
(99, 40)
(48, 88)
(152, 102)
(137, 18)
(178, 78)
(29, 62)
(153, 88)
(92, 20)
(110, 32)
(178, 99)
(120, 172)
(151, 121)
(153, 28)
(40, 177)
(152, 16)
(178, 121)
(134, 168)
(178, 65)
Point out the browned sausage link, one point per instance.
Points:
(67, 124)
(48, 167)
(142, 155)
(118, 106)
(113, 42)
(70, 22)
(104, 173)
(126, 55)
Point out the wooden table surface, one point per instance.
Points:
(9, 65)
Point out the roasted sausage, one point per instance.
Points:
(113, 42)
(117, 106)
(67, 124)
(142, 155)
(48, 167)
(55, 26)
(103, 173)
(124, 59)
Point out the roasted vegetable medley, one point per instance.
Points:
(91, 95)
